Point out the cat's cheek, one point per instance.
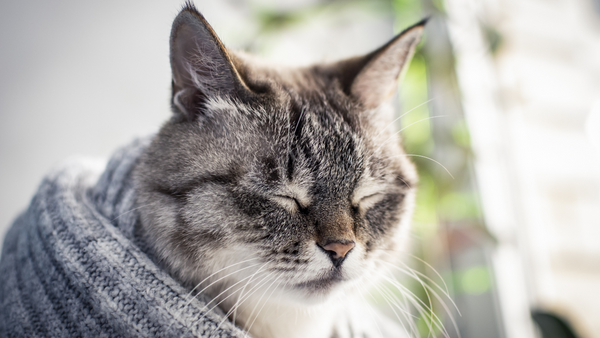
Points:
(210, 210)
(399, 236)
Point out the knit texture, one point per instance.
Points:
(72, 265)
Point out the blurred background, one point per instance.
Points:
(500, 110)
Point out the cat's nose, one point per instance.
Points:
(337, 251)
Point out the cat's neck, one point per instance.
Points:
(275, 319)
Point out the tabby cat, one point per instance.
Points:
(281, 193)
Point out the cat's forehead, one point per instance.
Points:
(311, 131)
(297, 87)
(297, 100)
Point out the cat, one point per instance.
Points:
(279, 192)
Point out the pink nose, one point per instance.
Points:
(340, 249)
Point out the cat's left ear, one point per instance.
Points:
(375, 76)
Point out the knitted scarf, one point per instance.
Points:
(72, 265)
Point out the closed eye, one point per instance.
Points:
(288, 202)
(369, 201)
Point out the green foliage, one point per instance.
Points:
(407, 13)
(456, 205)
(474, 280)
(271, 19)
(416, 129)
(460, 134)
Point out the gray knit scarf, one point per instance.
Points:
(72, 265)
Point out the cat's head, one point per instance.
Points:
(291, 175)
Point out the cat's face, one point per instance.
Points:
(292, 178)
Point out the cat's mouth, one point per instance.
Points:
(326, 283)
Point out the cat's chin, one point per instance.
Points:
(304, 298)
(318, 291)
(324, 285)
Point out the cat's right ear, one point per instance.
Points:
(371, 79)
(200, 64)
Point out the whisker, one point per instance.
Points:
(255, 288)
(446, 292)
(261, 308)
(406, 314)
(189, 300)
(397, 284)
(134, 209)
(283, 313)
(369, 308)
(435, 293)
(425, 311)
(231, 294)
(425, 157)
(421, 120)
(251, 292)
(242, 293)
(399, 131)
(422, 307)
(221, 278)
(393, 302)
(222, 292)
(225, 268)
(238, 304)
(427, 289)
(241, 298)
(403, 114)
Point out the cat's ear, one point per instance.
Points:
(200, 63)
(374, 77)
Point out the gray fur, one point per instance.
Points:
(269, 164)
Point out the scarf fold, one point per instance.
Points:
(72, 265)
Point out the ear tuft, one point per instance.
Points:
(189, 5)
(377, 79)
(200, 63)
